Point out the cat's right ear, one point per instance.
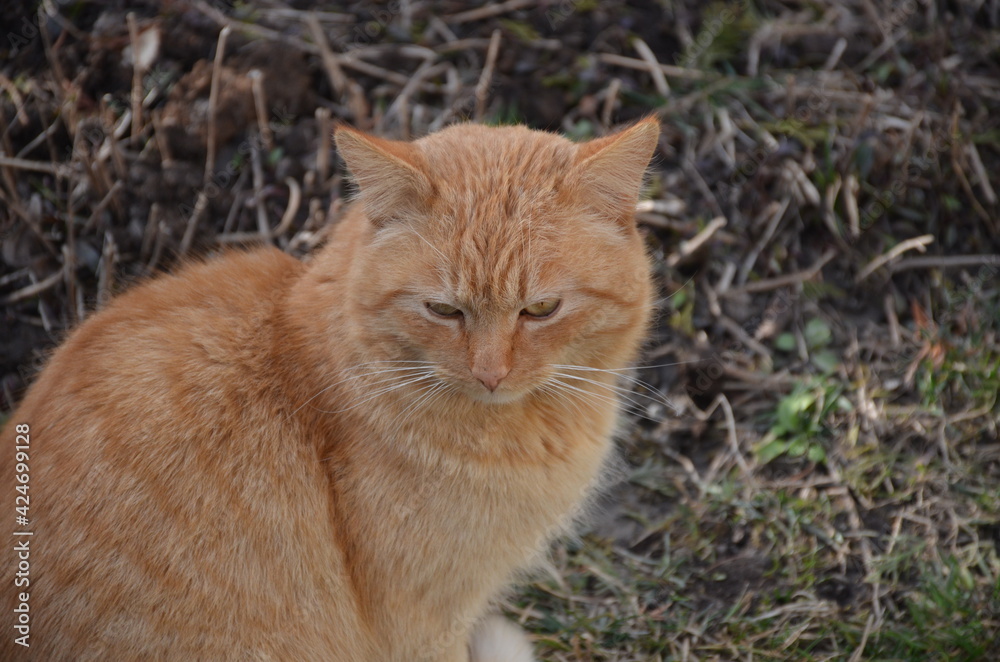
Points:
(389, 174)
(609, 170)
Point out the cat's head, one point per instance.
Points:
(497, 255)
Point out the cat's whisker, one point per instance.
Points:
(409, 380)
(425, 395)
(659, 302)
(655, 396)
(395, 361)
(620, 391)
(596, 397)
(625, 404)
(393, 384)
(619, 371)
(419, 365)
(421, 391)
(385, 378)
(437, 250)
(563, 397)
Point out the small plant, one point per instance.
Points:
(817, 336)
(799, 425)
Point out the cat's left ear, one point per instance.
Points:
(389, 173)
(609, 170)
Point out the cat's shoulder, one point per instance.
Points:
(214, 305)
(235, 282)
(238, 276)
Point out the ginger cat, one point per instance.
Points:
(347, 459)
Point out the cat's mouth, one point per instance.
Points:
(504, 394)
(497, 397)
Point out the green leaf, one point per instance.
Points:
(785, 342)
(769, 451)
(792, 407)
(521, 30)
(825, 360)
(816, 454)
(843, 404)
(864, 158)
(798, 447)
(582, 130)
(951, 203)
(817, 333)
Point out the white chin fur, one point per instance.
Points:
(496, 640)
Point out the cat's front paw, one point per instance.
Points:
(497, 640)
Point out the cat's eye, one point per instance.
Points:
(542, 308)
(443, 309)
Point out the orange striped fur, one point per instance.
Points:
(264, 459)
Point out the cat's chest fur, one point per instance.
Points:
(451, 508)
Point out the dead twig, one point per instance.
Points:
(652, 66)
(981, 174)
(783, 281)
(483, 86)
(137, 73)
(687, 248)
(252, 28)
(778, 213)
(56, 169)
(330, 63)
(916, 243)
(946, 262)
(192, 225)
(610, 99)
(35, 288)
(745, 338)
(734, 444)
(149, 231)
(158, 243)
(488, 11)
(643, 65)
(260, 108)
(101, 206)
(323, 122)
(263, 228)
(105, 273)
(10, 88)
(294, 202)
(213, 97)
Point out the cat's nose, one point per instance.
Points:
(490, 376)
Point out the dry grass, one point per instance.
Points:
(819, 476)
